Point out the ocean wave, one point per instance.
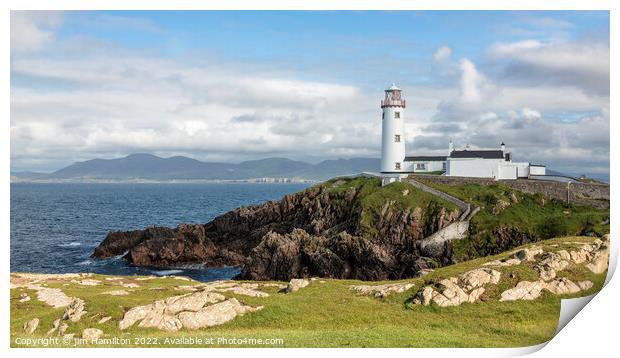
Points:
(70, 244)
(85, 262)
(166, 272)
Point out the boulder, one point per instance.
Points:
(31, 326)
(585, 285)
(478, 278)
(599, 262)
(24, 297)
(134, 315)
(295, 284)
(52, 296)
(75, 310)
(240, 290)
(528, 254)
(525, 290)
(191, 302)
(215, 314)
(92, 334)
(579, 256)
(562, 286)
(382, 290)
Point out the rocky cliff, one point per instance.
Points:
(352, 229)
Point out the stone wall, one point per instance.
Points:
(596, 195)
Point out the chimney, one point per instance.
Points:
(450, 147)
(503, 147)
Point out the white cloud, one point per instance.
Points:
(442, 54)
(122, 102)
(583, 65)
(33, 30)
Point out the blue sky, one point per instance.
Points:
(241, 85)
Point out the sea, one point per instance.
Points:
(55, 227)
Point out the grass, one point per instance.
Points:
(399, 196)
(329, 314)
(527, 216)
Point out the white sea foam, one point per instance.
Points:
(70, 244)
(166, 272)
(85, 262)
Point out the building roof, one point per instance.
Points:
(425, 158)
(483, 154)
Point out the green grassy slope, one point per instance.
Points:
(373, 197)
(535, 215)
(330, 314)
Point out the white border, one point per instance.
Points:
(592, 332)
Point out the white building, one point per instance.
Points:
(488, 163)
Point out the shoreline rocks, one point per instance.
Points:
(317, 232)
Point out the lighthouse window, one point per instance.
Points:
(383, 115)
(396, 114)
(397, 138)
(397, 166)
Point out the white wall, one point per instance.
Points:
(537, 170)
(476, 168)
(507, 172)
(391, 151)
(430, 166)
(523, 169)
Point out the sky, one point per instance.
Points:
(242, 85)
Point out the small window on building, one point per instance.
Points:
(397, 166)
(396, 114)
(420, 166)
(443, 165)
(397, 138)
(383, 115)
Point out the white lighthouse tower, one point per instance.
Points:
(393, 132)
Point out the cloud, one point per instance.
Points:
(546, 104)
(442, 54)
(583, 65)
(33, 30)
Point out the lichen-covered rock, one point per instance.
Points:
(525, 290)
(562, 286)
(52, 296)
(75, 310)
(92, 334)
(295, 284)
(528, 254)
(162, 314)
(382, 290)
(478, 278)
(31, 326)
(599, 261)
(215, 314)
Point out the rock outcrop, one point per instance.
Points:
(453, 291)
(191, 311)
(318, 232)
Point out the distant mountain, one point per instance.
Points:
(151, 167)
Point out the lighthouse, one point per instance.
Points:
(393, 131)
